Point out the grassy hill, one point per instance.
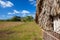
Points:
(20, 31)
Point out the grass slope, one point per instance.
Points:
(24, 31)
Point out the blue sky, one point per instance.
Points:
(10, 8)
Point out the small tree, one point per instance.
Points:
(27, 18)
(16, 18)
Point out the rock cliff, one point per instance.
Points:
(47, 12)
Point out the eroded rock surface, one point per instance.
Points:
(47, 12)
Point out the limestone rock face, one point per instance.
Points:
(47, 12)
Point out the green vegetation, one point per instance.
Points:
(15, 18)
(18, 18)
(24, 31)
(27, 18)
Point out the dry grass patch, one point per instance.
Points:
(24, 31)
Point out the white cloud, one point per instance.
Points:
(6, 4)
(14, 12)
(9, 13)
(25, 11)
(33, 2)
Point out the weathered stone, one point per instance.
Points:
(47, 10)
(47, 16)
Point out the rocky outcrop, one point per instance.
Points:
(47, 12)
(48, 17)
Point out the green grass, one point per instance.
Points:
(25, 31)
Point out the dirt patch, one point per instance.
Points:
(9, 24)
(5, 33)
